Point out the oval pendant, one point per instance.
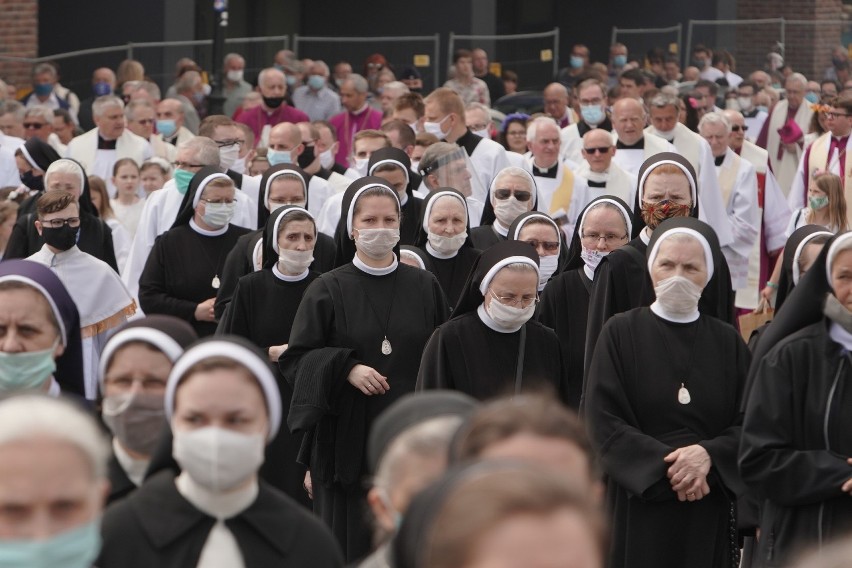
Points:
(683, 395)
(215, 282)
(386, 347)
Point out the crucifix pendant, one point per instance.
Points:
(215, 282)
(386, 347)
(683, 395)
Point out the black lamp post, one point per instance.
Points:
(216, 99)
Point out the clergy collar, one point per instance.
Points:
(360, 110)
(362, 266)
(662, 313)
(498, 228)
(548, 172)
(134, 468)
(602, 177)
(469, 141)
(286, 277)
(638, 145)
(403, 199)
(583, 126)
(218, 505)
(490, 323)
(439, 255)
(104, 144)
(750, 114)
(719, 159)
(207, 233)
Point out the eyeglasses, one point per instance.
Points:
(478, 126)
(218, 201)
(522, 196)
(185, 165)
(737, 128)
(72, 222)
(549, 246)
(523, 301)
(832, 114)
(146, 121)
(609, 238)
(597, 150)
(34, 125)
(228, 143)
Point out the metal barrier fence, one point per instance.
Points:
(534, 57)
(642, 40)
(420, 52)
(747, 40)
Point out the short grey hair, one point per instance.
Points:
(265, 73)
(359, 83)
(398, 86)
(204, 150)
(662, 100)
(65, 166)
(322, 65)
(187, 81)
(13, 107)
(232, 56)
(516, 172)
(43, 68)
(479, 106)
(43, 111)
(532, 127)
(151, 88)
(31, 416)
(130, 109)
(715, 118)
(797, 77)
(102, 103)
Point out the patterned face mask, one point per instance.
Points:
(655, 213)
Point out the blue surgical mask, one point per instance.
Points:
(101, 88)
(762, 108)
(577, 62)
(316, 82)
(43, 89)
(27, 370)
(812, 97)
(182, 179)
(592, 114)
(276, 157)
(291, 80)
(619, 60)
(167, 127)
(76, 548)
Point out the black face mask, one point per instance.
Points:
(62, 238)
(307, 157)
(273, 102)
(36, 183)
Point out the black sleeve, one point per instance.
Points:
(239, 316)
(154, 295)
(601, 308)
(18, 245)
(434, 373)
(234, 269)
(109, 247)
(324, 252)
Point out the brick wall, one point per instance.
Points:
(18, 38)
(807, 46)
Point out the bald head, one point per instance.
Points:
(286, 132)
(628, 120)
(598, 149)
(556, 100)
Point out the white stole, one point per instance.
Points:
(818, 159)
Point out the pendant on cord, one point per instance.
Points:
(386, 347)
(215, 282)
(683, 395)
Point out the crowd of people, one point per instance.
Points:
(348, 321)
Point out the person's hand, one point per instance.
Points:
(276, 351)
(204, 310)
(368, 380)
(766, 294)
(308, 484)
(689, 469)
(792, 148)
(696, 492)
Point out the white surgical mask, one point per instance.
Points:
(667, 134)
(228, 156)
(217, 458)
(678, 295)
(361, 166)
(447, 245)
(507, 210)
(435, 128)
(326, 159)
(239, 166)
(547, 266)
(509, 318)
(376, 243)
(217, 215)
(592, 257)
(745, 103)
(483, 133)
(295, 261)
(235, 75)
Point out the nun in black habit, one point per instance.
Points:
(663, 410)
(504, 205)
(217, 511)
(796, 439)
(444, 238)
(564, 303)
(35, 156)
(182, 273)
(491, 347)
(621, 279)
(94, 236)
(541, 231)
(394, 166)
(245, 257)
(354, 348)
(263, 309)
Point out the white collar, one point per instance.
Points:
(207, 233)
(660, 311)
(362, 109)
(498, 228)
(841, 336)
(645, 235)
(286, 277)
(53, 390)
(133, 467)
(403, 199)
(362, 266)
(589, 272)
(490, 323)
(219, 505)
(439, 255)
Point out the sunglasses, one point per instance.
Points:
(737, 128)
(34, 125)
(502, 194)
(598, 150)
(549, 246)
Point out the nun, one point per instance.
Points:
(667, 189)
(394, 166)
(796, 432)
(223, 407)
(512, 192)
(354, 348)
(416, 257)
(603, 226)
(541, 232)
(183, 271)
(40, 346)
(491, 346)
(93, 237)
(281, 185)
(134, 368)
(263, 310)
(444, 238)
(663, 410)
(33, 159)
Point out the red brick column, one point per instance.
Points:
(18, 38)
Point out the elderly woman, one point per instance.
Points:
(603, 226)
(663, 410)
(796, 432)
(94, 236)
(134, 368)
(52, 484)
(182, 273)
(223, 407)
(512, 193)
(443, 238)
(40, 345)
(541, 232)
(33, 159)
(490, 347)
